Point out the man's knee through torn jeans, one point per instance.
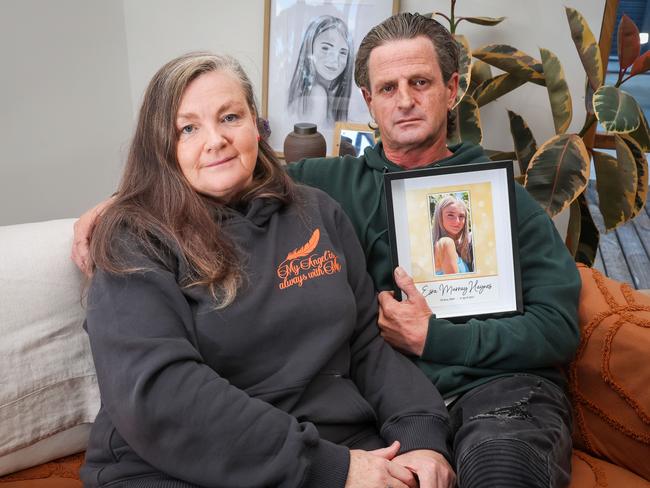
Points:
(513, 431)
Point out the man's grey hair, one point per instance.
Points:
(409, 26)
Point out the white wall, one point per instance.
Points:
(72, 79)
(159, 30)
(74, 72)
(65, 106)
(529, 25)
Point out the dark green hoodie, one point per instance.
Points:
(456, 356)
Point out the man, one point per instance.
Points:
(510, 416)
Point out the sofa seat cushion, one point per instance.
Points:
(60, 473)
(610, 375)
(590, 472)
(587, 472)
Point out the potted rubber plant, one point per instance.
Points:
(556, 172)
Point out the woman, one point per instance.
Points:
(232, 324)
(452, 240)
(322, 80)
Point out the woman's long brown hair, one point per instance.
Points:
(155, 202)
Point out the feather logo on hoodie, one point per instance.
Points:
(306, 262)
(307, 248)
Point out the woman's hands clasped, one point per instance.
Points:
(374, 469)
(384, 468)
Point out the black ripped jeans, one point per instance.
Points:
(513, 431)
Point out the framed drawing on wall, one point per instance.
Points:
(451, 229)
(309, 53)
(352, 139)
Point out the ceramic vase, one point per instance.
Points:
(304, 142)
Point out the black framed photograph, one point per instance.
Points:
(309, 53)
(451, 229)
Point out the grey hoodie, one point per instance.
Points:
(265, 392)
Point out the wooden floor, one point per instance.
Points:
(623, 254)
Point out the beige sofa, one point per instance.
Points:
(49, 395)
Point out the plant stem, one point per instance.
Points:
(623, 81)
(452, 21)
(591, 119)
(445, 17)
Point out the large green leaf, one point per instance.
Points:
(642, 133)
(616, 110)
(480, 72)
(628, 42)
(641, 64)
(482, 20)
(525, 145)
(558, 172)
(496, 155)
(589, 98)
(512, 61)
(558, 91)
(495, 87)
(587, 46)
(453, 137)
(589, 235)
(616, 182)
(641, 173)
(463, 67)
(573, 230)
(469, 121)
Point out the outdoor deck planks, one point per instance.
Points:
(642, 226)
(623, 254)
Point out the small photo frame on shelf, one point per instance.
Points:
(451, 229)
(352, 139)
(309, 53)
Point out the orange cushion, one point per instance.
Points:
(60, 473)
(589, 472)
(610, 376)
(44, 483)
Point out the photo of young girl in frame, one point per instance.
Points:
(451, 230)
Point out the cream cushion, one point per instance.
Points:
(48, 387)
